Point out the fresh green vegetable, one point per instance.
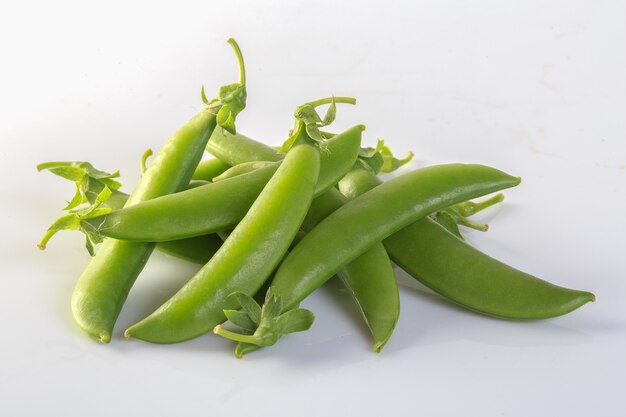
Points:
(360, 224)
(104, 285)
(250, 253)
(217, 206)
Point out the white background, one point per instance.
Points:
(535, 88)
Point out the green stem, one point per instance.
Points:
(237, 337)
(469, 208)
(142, 164)
(472, 225)
(329, 100)
(42, 244)
(239, 55)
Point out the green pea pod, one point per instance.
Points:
(461, 273)
(235, 149)
(360, 224)
(353, 229)
(246, 259)
(104, 285)
(217, 206)
(369, 277)
(197, 249)
(209, 169)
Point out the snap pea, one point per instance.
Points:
(245, 260)
(375, 215)
(210, 168)
(463, 274)
(217, 206)
(197, 249)
(369, 277)
(235, 149)
(356, 227)
(104, 285)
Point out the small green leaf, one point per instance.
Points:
(226, 119)
(228, 92)
(67, 222)
(244, 348)
(89, 246)
(240, 319)
(307, 114)
(296, 320)
(273, 305)
(448, 222)
(331, 113)
(314, 132)
(69, 172)
(77, 200)
(249, 305)
(391, 163)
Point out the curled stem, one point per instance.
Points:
(240, 63)
(142, 163)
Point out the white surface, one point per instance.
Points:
(534, 88)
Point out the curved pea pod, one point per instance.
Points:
(245, 260)
(463, 274)
(103, 286)
(369, 277)
(375, 215)
(216, 206)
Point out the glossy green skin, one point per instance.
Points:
(369, 277)
(245, 260)
(209, 169)
(197, 249)
(360, 224)
(195, 212)
(104, 284)
(238, 149)
(220, 205)
(463, 274)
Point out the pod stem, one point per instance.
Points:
(469, 208)
(240, 63)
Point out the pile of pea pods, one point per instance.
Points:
(270, 226)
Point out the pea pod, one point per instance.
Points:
(235, 149)
(211, 168)
(463, 274)
(359, 225)
(247, 257)
(369, 278)
(104, 285)
(255, 247)
(217, 206)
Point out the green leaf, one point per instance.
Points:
(69, 172)
(228, 92)
(296, 320)
(448, 222)
(307, 114)
(249, 305)
(392, 163)
(273, 305)
(70, 221)
(77, 200)
(331, 113)
(314, 132)
(240, 319)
